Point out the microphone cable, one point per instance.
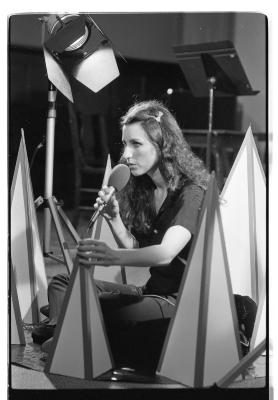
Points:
(159, 297)
(35, 152)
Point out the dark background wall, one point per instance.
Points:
(146, 41)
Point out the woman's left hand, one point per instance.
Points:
(94, 252)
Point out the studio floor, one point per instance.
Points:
(27, 362)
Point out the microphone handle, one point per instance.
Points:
(97, 212)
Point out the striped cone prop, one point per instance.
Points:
(80, 347)
(101, 231)
(243, 212)
(17, 333)
(26, 253)
(202, 341)
(242, 366)
(259, 331)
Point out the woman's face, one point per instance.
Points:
(140, 153)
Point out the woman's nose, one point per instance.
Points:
(127, 153)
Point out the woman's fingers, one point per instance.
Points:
(88, 241)
(92, 261)
(90, 254)
(104, 193)
(90, 247)
(106, 203)
(94, 252)
(84, 261)
(106, 189)
(99, 200)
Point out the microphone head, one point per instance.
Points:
(119, 176)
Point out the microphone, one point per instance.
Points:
(118, 178)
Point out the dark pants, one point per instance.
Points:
(136, 323)
(119, 303)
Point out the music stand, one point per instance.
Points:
(213, 69)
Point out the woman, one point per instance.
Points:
(153, 220)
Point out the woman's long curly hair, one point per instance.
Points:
(177, 163)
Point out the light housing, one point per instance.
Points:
(77, 51)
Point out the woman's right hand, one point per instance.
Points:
(111, 210)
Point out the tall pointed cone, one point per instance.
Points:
(243, 212)
(259, 331)
(26, 253)
(17, 333)
(101, 231)
(242, 366)
(202, 342)
(80, 348)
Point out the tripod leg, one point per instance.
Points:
(68, 224)
(63, 243)
(123, 273)
(47, 231)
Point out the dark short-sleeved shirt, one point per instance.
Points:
(179, 208)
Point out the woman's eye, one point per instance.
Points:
(134, 144)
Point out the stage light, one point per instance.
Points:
(78, 56)
(75, 48)
(170, 91)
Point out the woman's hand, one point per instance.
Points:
(111, 209)
(94, 252)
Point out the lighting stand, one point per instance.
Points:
(52, 209)
(79, 35)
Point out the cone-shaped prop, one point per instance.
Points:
(80, 348)
(26, 253)
(259, 331)
(202, 342)
(241, 367)
(243, 212)
(102, 231)
(17, 333)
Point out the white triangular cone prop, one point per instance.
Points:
(17, 333)
(242, 366)
(259, 331)
(202, 342)
(243, 212)
(137, 275)
(80, 348)
(26, 253)
(101, 231)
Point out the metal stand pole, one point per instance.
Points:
(52, 208)
(211, 81)
(49, 162)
